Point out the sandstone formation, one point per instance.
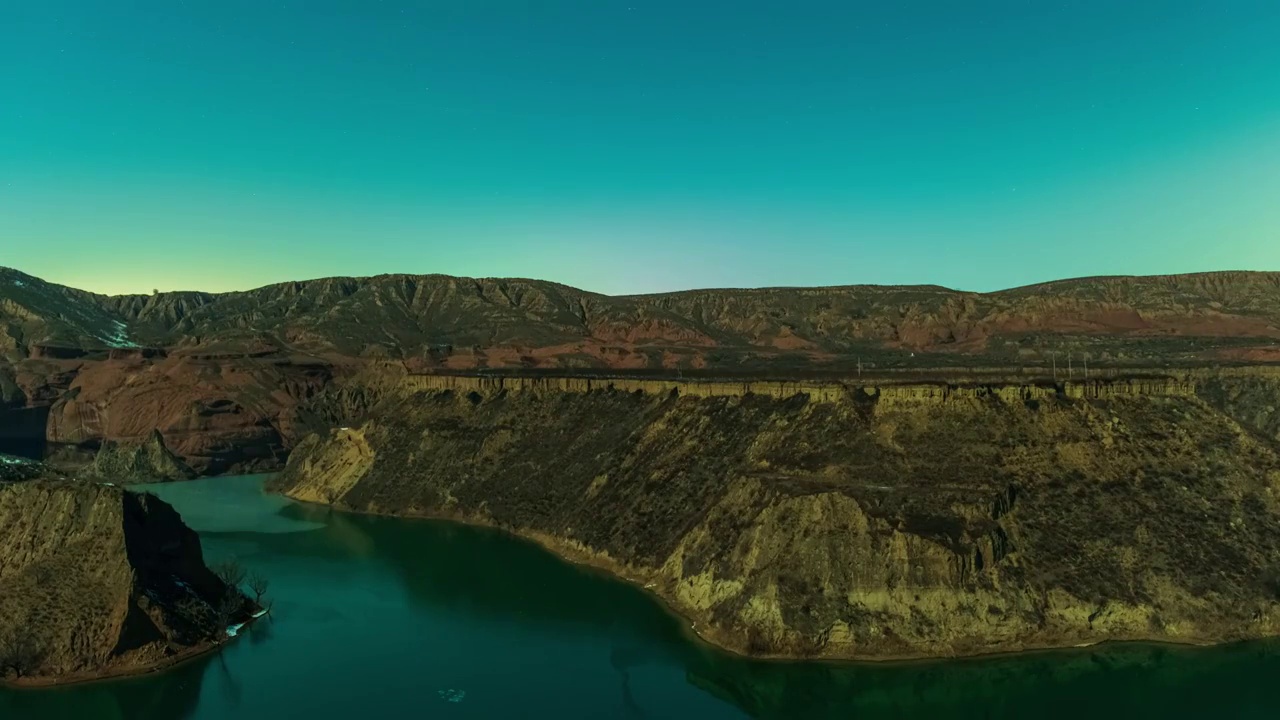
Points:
(857, 521)
(95, 580)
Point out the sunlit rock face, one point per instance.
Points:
(862, 522)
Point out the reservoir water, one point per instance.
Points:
(392, 618)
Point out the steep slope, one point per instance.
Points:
(898, 521)
(95, 580)
(35, 313)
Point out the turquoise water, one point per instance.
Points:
(390, 618)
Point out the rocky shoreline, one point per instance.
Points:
(574, 554)
(895, 526)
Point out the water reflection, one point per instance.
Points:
(175, 694)
(1117, 681)
(378, 617)
(485, 573)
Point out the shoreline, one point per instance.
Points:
(689, 625)
(171, 662)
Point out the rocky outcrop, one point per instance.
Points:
(890, 522)
(147, 461)
(95, 581)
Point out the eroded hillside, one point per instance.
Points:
(95, 580)
(877, 522)
(461, 323)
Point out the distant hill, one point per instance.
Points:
(460, 323)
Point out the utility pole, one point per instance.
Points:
(1069, 372)
(1054, 354)
(859, 366)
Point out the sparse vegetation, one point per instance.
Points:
(231, 572)
(228, 610)
(20, 653)
(259, 584)
(70, 594)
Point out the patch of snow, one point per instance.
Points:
(19, 283)
(119, 338)
(258, 614)
(11, 460)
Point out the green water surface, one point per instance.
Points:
(391, 618)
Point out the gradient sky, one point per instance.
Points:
(637, 145)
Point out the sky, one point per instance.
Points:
(639, 145)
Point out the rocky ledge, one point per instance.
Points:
(866, 524)
(98, 581)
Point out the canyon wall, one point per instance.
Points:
(214, 414)
(836, 520)
(95, 580)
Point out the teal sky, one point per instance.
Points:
(638, 145)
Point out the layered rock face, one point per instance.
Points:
(96, 580)
(860, 522)
(216, 415)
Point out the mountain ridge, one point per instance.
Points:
(232, 381)
(1275, 274)
(403, 315)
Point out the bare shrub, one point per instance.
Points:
(231, 572)
(258, 583)
(20, 653)
(228, 609)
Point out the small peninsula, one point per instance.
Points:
(97, 581)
